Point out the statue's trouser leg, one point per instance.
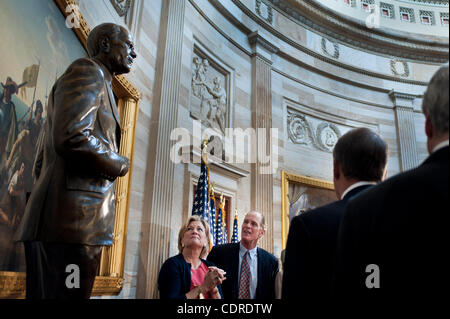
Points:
(60, 270)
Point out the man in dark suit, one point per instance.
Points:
(70, 213)
(391, 238)
(250, 270)
(359, 160)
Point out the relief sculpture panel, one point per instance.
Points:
(210, 87)
(313, 132)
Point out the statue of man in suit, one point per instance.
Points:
(70, 214)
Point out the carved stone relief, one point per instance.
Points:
(399, 68)
(327, 136)
(330, 48)
(209, 97)
(122, 6)
(264, 11)
(301, 131)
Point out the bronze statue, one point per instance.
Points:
(70, 213)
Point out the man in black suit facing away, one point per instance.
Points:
(359, 161)
(250, 270)
(391, 238)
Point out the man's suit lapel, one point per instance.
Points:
(235, 270)
(261, 270)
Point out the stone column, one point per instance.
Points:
(156, 230)
(406, 134)
(262, 175)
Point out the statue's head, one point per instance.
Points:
(113, 46)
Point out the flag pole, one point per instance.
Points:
(35, 87)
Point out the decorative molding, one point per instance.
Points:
(394, 70)
(12, 284)
(255, 38)
(122, 6)
(428, 2)
(410, 12)
(335, 54)
(230, 170)
(429, 14)
(327, 136)
(389, 7)
(395, 96)
(316, 182)
(310, 52)
(264, 11)
(300, 131)
(315, 17)
(282, 37)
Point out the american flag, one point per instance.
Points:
(234, 238)
(201, 201)
(212, 218)
(219, 228)
(225, 231)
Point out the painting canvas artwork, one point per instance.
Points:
(34, 55)
(302, 193)
(310, 198)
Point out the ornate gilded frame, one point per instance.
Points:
(287, 178)
(110, 280)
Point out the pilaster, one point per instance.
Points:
(262, 173)
(406, 135)
(156, 224)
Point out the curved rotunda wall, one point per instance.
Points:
(278, 71)
(426, 17)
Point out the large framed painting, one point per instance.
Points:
(300, 194)
(38, 41)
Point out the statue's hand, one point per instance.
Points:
(125, 166)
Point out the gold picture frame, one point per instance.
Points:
(286, 180)
(110, 279)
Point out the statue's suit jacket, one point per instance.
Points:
(73, 198)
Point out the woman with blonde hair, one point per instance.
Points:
(187, 275)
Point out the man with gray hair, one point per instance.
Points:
(250, 270)
(391, 238)
(359, 162)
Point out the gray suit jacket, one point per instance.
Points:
(72, 200)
